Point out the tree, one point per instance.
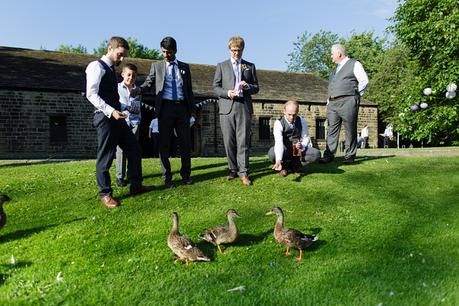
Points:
(80, 49)
(312, 54)
(429, 32)
(136, 50)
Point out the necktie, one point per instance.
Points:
(237, 76)
(173, 83)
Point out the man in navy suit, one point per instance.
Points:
(174, 105)
(235, 82)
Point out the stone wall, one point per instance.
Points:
(26, 121)
(54, 124)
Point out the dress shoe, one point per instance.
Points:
(245, 180)
(348, 161)
(121, 182)
(187, 181)
(325, 160)
(109, 202)
(168, 184)
(283, 173)
(141, 189)
(231, 176)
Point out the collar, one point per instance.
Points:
(107, 60)
(233, 61)
(175, 61)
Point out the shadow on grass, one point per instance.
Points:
(250, 239)
(20, 234)
(14, 164)
(7, 270)
(334, 167)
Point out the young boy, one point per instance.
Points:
(131, 107)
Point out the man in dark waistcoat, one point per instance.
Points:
(346, 85)
(112, 129)
(292, 145)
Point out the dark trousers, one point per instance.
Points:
(345, 112)
(110, 133)
(174, 116)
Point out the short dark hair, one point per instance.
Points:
(169, 43)
(117, 41)
(130, 67)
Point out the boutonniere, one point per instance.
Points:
(182, 72)
(245, 67)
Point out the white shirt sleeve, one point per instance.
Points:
(278, 140)
(305, 140)
(361, 76)
(94, 74)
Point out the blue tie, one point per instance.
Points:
(174, 83)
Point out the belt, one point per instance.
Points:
(337, 98)
(174, 101)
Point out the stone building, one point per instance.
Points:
(44, 114)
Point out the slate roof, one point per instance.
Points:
(52, 70)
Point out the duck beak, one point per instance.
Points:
(269, 213)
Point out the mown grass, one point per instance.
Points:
(387, 226)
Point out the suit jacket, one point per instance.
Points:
(155, 82)
(224, 80)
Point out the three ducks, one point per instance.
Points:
(186, 250)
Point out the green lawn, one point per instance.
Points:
(388, 229)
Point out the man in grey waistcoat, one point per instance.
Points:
(346, 85)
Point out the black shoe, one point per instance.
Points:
(348, 161)
(168, 184)
(187, 181)
(121, 182)
(326, 160)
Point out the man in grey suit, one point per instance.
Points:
(345, 86)
(234, 82)
(174, 106)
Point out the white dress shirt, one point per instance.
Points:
(279, 139)
(167, 90)
(94, 73)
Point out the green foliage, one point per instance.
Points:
(429, 32)
(136, 50)
(392, 241)
(80, 49)
(312, 54)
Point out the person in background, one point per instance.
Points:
(153, 134)
(364, 135)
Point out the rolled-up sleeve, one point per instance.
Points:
(94, 74)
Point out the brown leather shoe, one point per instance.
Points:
(283, 173)
(109, 202)
(231, 176)
(245, 180)
(141, 189)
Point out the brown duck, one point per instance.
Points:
(223, 234)
(290, 237)
(182, 246)
(3, 198)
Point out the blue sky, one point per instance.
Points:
(201, 27)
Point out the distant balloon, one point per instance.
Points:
(451, 87)
(450, 94)
(424, 105)
(427, 91)
(414, 107)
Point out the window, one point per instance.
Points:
(264, 130)
(320, 128)
(58, 128)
